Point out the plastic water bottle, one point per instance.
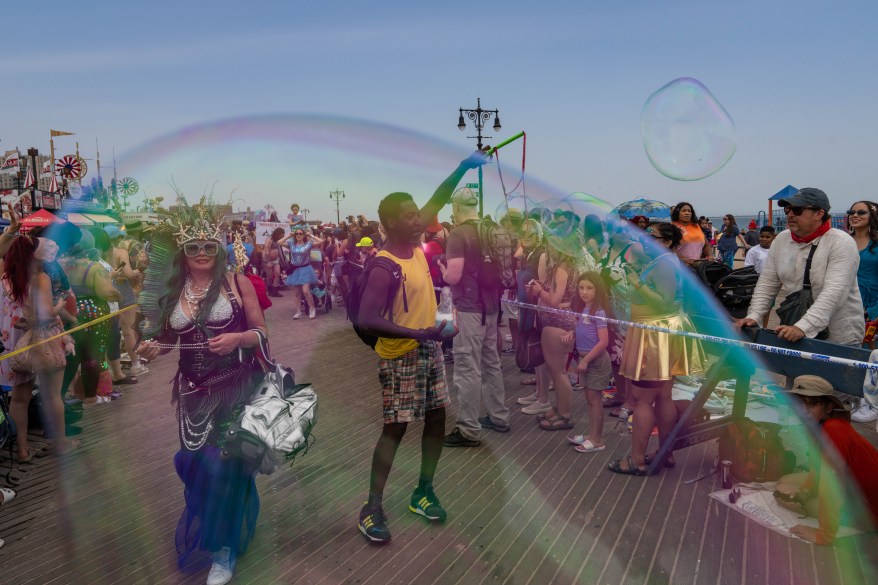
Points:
(445, 311)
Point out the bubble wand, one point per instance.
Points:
(494, 150)
(509, 140)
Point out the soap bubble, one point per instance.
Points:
(687, 133)
(516, 207)
(302, 158)
(561, 227)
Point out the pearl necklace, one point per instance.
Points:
(176, 345)
(193, 296)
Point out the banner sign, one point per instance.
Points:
(10, 162)
(264, 229)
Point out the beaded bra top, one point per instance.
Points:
(199, 365)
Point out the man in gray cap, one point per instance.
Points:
(477, 370)
(836, 313)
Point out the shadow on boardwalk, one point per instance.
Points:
(523, 508)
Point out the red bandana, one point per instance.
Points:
(824, 227)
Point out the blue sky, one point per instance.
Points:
(797, 77)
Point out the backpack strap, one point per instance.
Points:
(806, 280)
(88, 269)
(397, 279)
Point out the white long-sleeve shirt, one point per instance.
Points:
(837, 303)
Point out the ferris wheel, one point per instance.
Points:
(72, 167)
(128, 186)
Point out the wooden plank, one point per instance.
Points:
(524, 508)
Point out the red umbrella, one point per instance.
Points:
(40, 218)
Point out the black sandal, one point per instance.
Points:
(616, 467)
(669, 463)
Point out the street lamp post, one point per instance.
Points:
(338, 196)
(305, 213)
(33, 153)
(479, 116)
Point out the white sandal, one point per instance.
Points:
(588, 447)
(6, 495)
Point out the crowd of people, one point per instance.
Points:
(569, 275)
(569, 280)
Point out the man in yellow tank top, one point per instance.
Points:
(411, 366)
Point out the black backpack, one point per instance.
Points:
(358, 287)
(497, 269)
(735, 290)
(710, 272)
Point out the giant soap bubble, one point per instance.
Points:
(688, 135)
(285, 159)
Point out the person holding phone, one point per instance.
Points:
(124, 279)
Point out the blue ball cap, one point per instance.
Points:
(113, 231)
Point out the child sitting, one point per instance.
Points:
(816, 494)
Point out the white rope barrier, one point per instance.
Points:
(711, 338)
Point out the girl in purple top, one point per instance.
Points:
(594, 367)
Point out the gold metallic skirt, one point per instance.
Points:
(654, 356)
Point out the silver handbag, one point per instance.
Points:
(281, 413)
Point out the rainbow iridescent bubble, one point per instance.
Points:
(687, 133)
(296, 158)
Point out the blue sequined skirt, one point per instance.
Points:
(221, 506)
(302, 275)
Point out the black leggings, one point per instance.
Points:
(89, 355)
(114, 340)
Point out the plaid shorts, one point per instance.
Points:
(413, 383)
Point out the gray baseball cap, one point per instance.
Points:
(807, 197)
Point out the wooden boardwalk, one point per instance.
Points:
(523, 508)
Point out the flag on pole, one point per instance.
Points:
(29, 181)
(10, 162)
(53, 186)
(55, 133)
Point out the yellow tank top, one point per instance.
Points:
(417, 286)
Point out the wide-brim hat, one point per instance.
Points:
(809, 385)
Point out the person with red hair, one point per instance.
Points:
(27, 301)
(640, 221)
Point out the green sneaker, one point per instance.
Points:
(373, 525)
(426, 504)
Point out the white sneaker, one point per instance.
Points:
(138, 370)
(312, 313)
(298, 315)
(537, 408)
(221, 570)
(866, 413)
(529, 399)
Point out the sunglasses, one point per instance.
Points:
(193, 249)
(300, 234)
(860, 212)
(797, 210)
